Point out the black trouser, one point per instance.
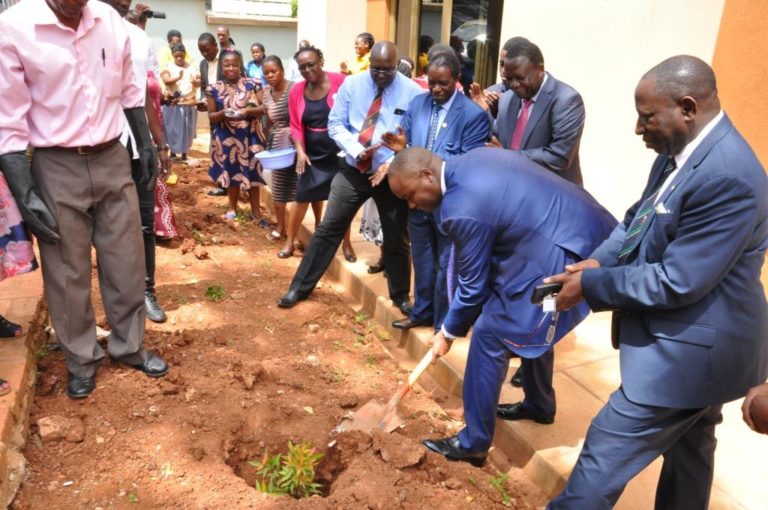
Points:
(147, 213)
(349, 190)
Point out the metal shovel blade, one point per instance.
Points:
(375, 415)
(371, 416)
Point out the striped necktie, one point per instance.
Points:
(644, 214)
(369, 126)
(432, 134)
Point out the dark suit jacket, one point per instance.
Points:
(465, 126)
(694, 323)
(204, 75)
(512, 225)
(553, 133)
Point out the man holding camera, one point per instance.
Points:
(79, 191)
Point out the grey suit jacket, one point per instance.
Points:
(693, 323)
(553, 133)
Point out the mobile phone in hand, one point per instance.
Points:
(542, 291)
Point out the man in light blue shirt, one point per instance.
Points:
(366, 106)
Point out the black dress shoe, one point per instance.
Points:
(408, 324)
(218, 192)
(290, 299)
(450, 447)
(155, 312)
(405, 307)
(517, 378)
(80, 387)
(519, 412)
(153, 366)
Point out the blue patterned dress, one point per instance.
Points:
(235, 141)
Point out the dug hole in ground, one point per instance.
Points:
(246, 379)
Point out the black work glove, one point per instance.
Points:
(36, 215)
(137, 121)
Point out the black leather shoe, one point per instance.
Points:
(519, 412)
(153, 366)
(80, 387)
(290, 299)
(405, 307)
(218, 192)
(155, 312)
(408, 324)
(450, 447)
(517, 378)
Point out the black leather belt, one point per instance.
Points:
(84, 150)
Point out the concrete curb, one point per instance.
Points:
(24, 304)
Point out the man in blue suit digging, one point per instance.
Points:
(511, 224)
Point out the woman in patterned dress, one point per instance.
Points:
(234, 111)
(165, 220)
(16, 256)
(284, 180)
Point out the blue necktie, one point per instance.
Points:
(433, 126)
(643, 216)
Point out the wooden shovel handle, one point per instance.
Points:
(406, 387)
(420, 368)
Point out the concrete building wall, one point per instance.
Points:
(332, 25)
(188, 16)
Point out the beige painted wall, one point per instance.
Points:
(332, 25)
(601, 48)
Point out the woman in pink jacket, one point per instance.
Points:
(317, 160)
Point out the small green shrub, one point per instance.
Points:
(499, 482)
(292, 474)
(215, 293)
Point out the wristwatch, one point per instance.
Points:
(162, 148)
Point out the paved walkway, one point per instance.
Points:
(586, 372)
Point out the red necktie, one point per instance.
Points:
(522, 121)
(369, 126)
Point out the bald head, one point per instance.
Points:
(384, 61)
(675, 100)
(684, 75)
(414, 176)
(384, 49)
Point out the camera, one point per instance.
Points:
(154, 14)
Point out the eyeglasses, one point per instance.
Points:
(307, 66)
(380, 70)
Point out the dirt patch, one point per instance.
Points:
(246, 378)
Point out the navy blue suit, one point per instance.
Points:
(512, 224)
(465, 127)
(692, 325)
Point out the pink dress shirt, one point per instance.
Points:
(60, 87)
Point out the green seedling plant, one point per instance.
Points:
(498, 482)
(41, 350)
(215, 293)
(292, 474)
